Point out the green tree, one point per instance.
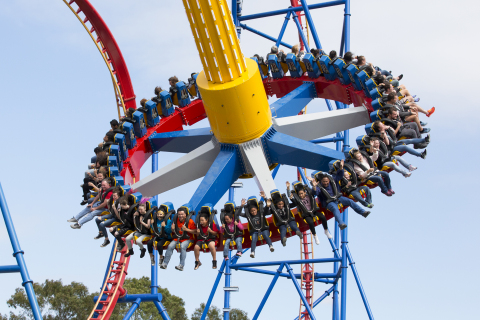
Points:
(147, 311)
(56, 301)
(214, 313)
(73, 302)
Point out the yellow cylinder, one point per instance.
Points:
(238, 111)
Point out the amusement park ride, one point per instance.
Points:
(247, 138)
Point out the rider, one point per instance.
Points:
(140, 235)
(210, 240)
(165, 227)
(234, 231)
(104, 221)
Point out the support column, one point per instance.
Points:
(226, 301)
(343, 311)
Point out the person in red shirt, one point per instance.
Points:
(207, 236)
(98, 205)
(182, 235)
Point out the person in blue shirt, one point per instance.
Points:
(161, 230)
(333, 205)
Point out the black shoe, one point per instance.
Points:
(424, 154)
(142, 252)
(105, 243)
(214, 264)
(129, 253)
(120, 247)
(161, 260)
(342, 226)
(99, 236)
(365, 214)
(84, 202)
(284, 241)
(427, 138)
(400, 77)
(420, 145)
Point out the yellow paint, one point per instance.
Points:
(238, 111)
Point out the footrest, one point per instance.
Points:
(231, 289)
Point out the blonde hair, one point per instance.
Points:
(295, 49)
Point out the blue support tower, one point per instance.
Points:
(18, 253)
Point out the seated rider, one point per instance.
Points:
(385, 159)
(104, 221)
(329, 199)
(206, 234)
(399, 145)
(307, 206)
(281, 215)
(349, 186)
(162, 232)
(232, 229)
(125, 216)
(142, 226)
(254, 213)
(183, 232)
(98, 205)
(366, 171)
(173, 89)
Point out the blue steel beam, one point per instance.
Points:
(300, 32)
(291, 9)
(359, 283)
(269, 290)
(317, 276)
(18, 254)
(224, 171)
(294, 102)
(214, 289)
(132, 309)
(226, 294)
(300, 293)
(296, 152)
(326, 140)
(282, 31)
(182, 141)
(129, 298)
(343, 306)
(9, 269)
(308, 16)
(264, 35)
(277, 263)
(322, 297)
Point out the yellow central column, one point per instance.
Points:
(231, 86)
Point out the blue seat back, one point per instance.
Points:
(114, 150)
(129, 133)
(139, 125)
(327, 68)
(262, 74)
(182, 94)
(375, 93)
(371, 84)
(294, 66)
(165, 107)
(378, 103)
(340, 69)
(311, 66)
(352, 74)
(118, 181)
(152, 114)
(275, 67)
(122, 147)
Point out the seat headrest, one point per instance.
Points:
(186, 207)
(207, 208)
(229, 206)
(333, 165)
(252, 202)
(167, 207)
(276, 196)
(297, 185)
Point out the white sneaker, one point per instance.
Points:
(272, 249)
(327, 233)
(252, 255)
(406, 175)
(316, 239)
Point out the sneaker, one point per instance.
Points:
(163, 266)
(416, 100)
(252, 255)
(214, 264)
(73, 220)
(370, 205)
(120, 247)
(161, 260)
(365, 214)
(327, 233)
(316, 239)
(430, 112)
(414, 96)
(197, 265)
(427, 138)
(75, 226)
(425, 130)
(142, 252)
(391, 191)
(84, 202)
(129, 253)
(423, 124)
(342, 226)
(105, 243)
(299, 234)
(407, 175)
(152, 260)
(272, 249)
(424, 154)
(179, 267)
(284, 241)
(388, 193)
(412, 168)
(400, 77)
(239, 253)
(99, 236)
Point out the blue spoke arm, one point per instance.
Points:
(182, 141)
(266, 36)
(294, 102)
(300, 32)
(212, 293)
(322, 297)
(284, 27)
(300, 293)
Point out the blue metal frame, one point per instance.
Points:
(18, 254)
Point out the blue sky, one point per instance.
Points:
(415, 252)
